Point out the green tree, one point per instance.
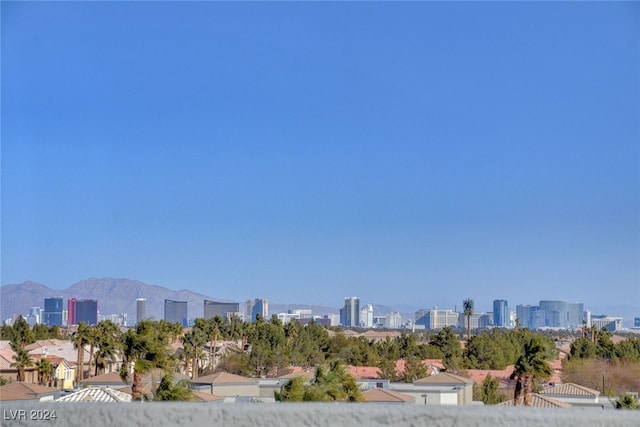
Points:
(80, 338)
(467, 306)
(22, 335)
(45, 370)
(414, 369)
(144, 348)
(193, 341)
(489, 391)
(628, 401)
(21, 361)
(447, 341)
(108, 344)
(292, 391)
(169, 390)
(532, 364)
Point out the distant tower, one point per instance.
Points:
(71, 311)
(501, 315)
(141, 309)
(254, 307)
(176, 311)
(53, 311)
(87, 311)
(350, 314)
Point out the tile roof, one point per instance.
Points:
(539, 401)
(24, 391)
(96, 394)
(387, 396)
(6, 359)
(364, 372)
(309, 374)
(112, 378)
(12, 395)
(479, 375)
(443, 378)
(571, 390)
(206, 397)
(223, 378)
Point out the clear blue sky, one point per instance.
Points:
(417, 153)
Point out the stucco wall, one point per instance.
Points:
(370, 415)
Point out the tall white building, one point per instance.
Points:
(366, 316)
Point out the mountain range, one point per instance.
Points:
(119, 296)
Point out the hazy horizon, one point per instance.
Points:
(423, 151)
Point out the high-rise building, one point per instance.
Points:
(141, 309)
(53, 311)
(501, 314)
(610, 323)
(222, 309)
(366, 316)
(176, 312)
(71, 311)
(575, 315)
(256, 306)
(524, 315)
(636, 322)
(436, 319)
(556, 313)
(86, 311)
(350, 313)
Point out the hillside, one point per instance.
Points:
(113, 295)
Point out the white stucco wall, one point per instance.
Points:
(303, 414)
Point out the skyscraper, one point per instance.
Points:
(176, 311)
(141, 309)
(254, 307)
(501, 313)
(556, 313)
(350, 314)
(222, 309)
(87, 311)
(53, 311)
(71, 312)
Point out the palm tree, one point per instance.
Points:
(108, 344)
(531, 364)
(193, 342)
(80, 339)
(170, 390)
(45, 368)
(22, 360)
(467, 306)
(144, 348)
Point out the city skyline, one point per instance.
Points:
(310, 151)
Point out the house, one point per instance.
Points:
(64, 373)
(25, 391)
(111, 380)
(440, 389)
(576, 395)
(539, 401)
(227, 385)
(96, 394)
(10, 373)
(380, 395)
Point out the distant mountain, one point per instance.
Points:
(119, 296)
(113, 295)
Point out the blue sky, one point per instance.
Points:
(417, 153)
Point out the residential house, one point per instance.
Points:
(227, 385)
(96, 394)
(380, 395)
(440, 389)
(576, 395)
(26, 391)
(10, 373)
(539, 401)
(111, 380)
